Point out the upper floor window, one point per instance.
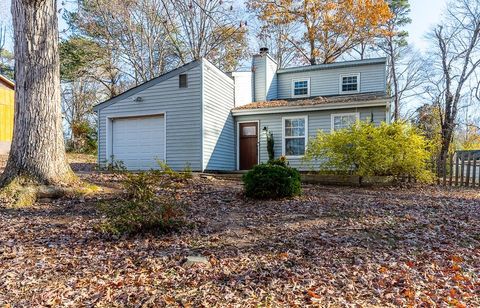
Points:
(300, 87)
(182, 81)
(350, 83)
(295, 130)
(344, 120)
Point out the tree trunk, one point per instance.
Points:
(38, 150)
(393, 71)
(448, 127)
(447, 134)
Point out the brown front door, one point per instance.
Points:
(248, 145)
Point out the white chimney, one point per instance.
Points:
(264, 70)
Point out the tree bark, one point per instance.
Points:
(38, 150)
(393, 70)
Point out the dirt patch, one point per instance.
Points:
(334, 245)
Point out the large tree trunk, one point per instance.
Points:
(38, 150)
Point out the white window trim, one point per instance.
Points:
(283, 134)
(332, 127)
(349, 75)
(308, 87)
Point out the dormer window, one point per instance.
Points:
(300, 87)
(350, 83)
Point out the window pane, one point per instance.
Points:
(298, 131)
(295, 127)
(349, 83)
(288, 131)
(300, 87)
(303, 91)
(337, 121)
(295, 146)
(344, 121)
(249, 131)
(349, 87)
(351, 120)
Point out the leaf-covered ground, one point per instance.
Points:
(334, 246)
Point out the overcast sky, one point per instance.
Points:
(425, 14)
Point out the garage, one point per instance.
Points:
(139, 141)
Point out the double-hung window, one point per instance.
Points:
(295, 130)
(301, 87)
(350, 83)
(343, 120)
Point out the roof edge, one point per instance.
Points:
(147, 84)
(219, 71)
(7, 80)
(326, 106)
(333, 65)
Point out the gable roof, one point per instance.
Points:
(9, 83)
(148, 84)
(314, 103)
(333, 65)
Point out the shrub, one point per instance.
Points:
(272, 180)
(165, 169)
(140, 186)
(132, 217)
(282, 161)
(84, 138)
(114, 165)
(396, 149)
(143, 208)
(270, 145)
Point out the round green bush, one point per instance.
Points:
(270, 181)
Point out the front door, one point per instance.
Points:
(248, 145)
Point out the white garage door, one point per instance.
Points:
(138, 142)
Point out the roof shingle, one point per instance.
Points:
(319, 100)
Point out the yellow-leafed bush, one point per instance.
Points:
(367, 150)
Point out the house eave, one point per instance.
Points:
(334, 65)
(320, 107)
(7, 81)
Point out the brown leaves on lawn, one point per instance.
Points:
(334, 246)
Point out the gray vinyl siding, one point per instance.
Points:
(271, 79)
(327, 81)
(317, 120)
(259, 78)
(183, 108)
(218, 134)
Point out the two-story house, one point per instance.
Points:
(213, 121)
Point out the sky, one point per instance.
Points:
(425, 14)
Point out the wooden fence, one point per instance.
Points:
(461, 169)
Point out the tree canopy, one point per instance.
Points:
(328, 28)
